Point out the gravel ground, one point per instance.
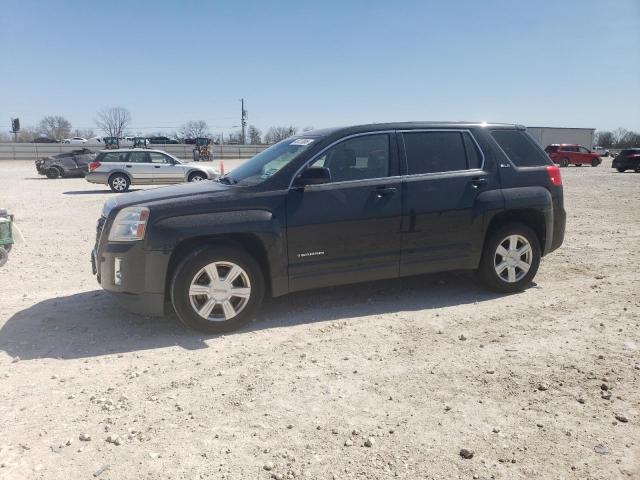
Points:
(398, 378)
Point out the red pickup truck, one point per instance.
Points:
(565, 154)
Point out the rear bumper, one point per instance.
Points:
(559, 225)
(97, 177)
(141, 274)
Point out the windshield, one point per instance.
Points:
(269, 161)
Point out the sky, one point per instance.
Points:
(572, 63)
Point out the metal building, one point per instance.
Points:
(548, 135)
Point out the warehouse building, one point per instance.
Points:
(548, 135)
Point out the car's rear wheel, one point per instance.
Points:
(595, 162)
(217, 289)
(510, 258)
(564, 162)
(53, 172)
(197, 177)
(119, 182)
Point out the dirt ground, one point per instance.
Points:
(542, 384)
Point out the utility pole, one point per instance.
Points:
(243, 122)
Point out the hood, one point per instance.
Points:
(144, 197)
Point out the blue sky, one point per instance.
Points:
(559, 63)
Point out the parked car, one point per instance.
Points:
(601, 151)
(162, 141)
(75, 140)
(124, 167)
(66, 164)
(333, 207)
(44, 140)
(566, 154)
(627, 159)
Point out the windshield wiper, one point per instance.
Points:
(228, 179)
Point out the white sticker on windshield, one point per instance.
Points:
(302, 141)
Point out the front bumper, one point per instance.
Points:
(140, 287)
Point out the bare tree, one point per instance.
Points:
(55, 126)
(275, 134)
(113, 121)
(235, 138)
(194, 129)
(27, 134)
(84, 132)
(254, 135)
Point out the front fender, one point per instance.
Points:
(262, 225)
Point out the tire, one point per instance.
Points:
(196, 156)
(119, 182)
(564, 162)
(504, 281)
(621, 170)
(595, 162)
(227, 312)
(197, 177)
(53, 173)
(4, 256)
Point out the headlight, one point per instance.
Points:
(129, 225)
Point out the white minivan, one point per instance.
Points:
(134, 166)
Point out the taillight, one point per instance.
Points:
(93, 166)
(554, 175)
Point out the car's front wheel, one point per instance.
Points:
(53, 172)
(197, 177)
(119, 182)
(595, 162)
(217, 289)
(621, 170)
(510, 258)
(564, 162)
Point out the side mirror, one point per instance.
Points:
(313, 176)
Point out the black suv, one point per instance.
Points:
(627, 159)
(331, 207)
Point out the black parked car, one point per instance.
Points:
(162, 141)
(331, 207)
(627, 159)
(66, 164)
(44, 140)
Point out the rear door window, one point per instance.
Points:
(114, 157)
(520, 148)
(440, 151)
(139, 157)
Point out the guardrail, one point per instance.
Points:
(33, 151)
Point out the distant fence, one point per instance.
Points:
(33, 151)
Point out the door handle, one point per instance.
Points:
(384, 191)
(478, 182)
(156, 166)
(128, 166)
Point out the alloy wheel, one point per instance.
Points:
(220, 291)
(119, 184)
(513, 258)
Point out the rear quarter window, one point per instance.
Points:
(520, 148)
